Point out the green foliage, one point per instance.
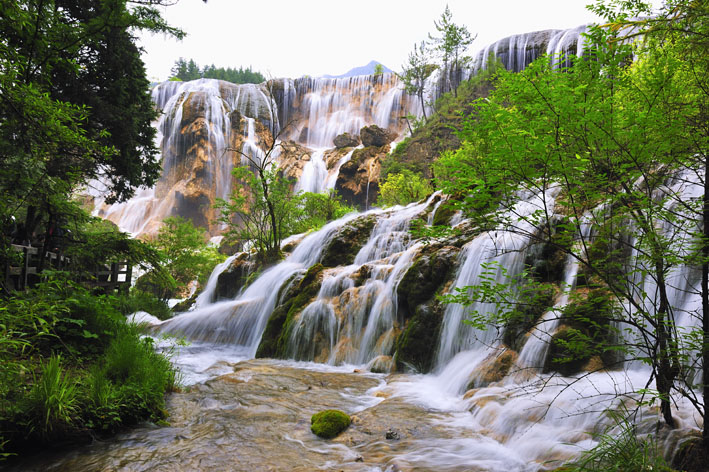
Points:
(52, 401)
(620, 449)
(451, 44)
(69, 362)
(317, 209)
(262, 212)
(378, 69)
(329, 423)
(402, 188)
(184, 70)
(138, 300)
(186, 251)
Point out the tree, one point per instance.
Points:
(416, 72)
(451, 44)
(607, 136)
(186, 254)
(189, 70)
(378, 69)
(262, 210)
(74, 104)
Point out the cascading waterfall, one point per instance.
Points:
(241, 321)
(504, 248)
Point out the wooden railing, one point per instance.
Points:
(23, 274)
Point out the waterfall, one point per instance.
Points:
(314, 177)
(505, 247)
(241, 321)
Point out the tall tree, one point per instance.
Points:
(451, 43)
(73, 102)
(416, 72)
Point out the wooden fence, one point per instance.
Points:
(26, 272)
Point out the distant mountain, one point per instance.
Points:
(363, 70)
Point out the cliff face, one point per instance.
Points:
(206, 125)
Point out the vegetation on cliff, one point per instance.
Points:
(185, 70)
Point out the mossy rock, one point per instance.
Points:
(416, 346)
(342, 248)
(535, 300)
(329, 423)
(586, 333)
(424, 278)
(444, 213)
(296, 294)
(185, 304)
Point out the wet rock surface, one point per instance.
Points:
(257, 418)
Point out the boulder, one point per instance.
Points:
(358, 180)
(342, 248)
(235, 277)
(382, 365)
(295, 294)
(346, 140)
(431, 269)
(375, 136)
(416, 346)
(494, 368)
(329, 423)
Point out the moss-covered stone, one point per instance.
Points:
(534, 301)
(416, 345)
(295, 295)
(329, 423)
(420, 283)
(235, 277)
(586, 332)
(342, 248)
(444, 213)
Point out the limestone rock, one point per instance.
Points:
(375, 136)
(342, 248)
(346, 140)
(358, 180)
(235, 277)
(382, 365)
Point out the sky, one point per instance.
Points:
(292, 38)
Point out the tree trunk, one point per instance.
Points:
(666, 368)
(705, 301)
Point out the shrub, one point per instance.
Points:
(402, 188)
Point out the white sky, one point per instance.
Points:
(292, 38)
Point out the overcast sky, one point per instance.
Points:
(289, 38)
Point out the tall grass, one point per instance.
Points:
(620, 449)
(52, 401)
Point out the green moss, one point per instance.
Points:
(425, 276)
(586, 333)
(444, 213)
(274, 341)
(416, 346)
(534, 300)
(329, 423)
(344, 246)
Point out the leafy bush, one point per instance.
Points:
(620, 450)
(402, 188)
(139, 300)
